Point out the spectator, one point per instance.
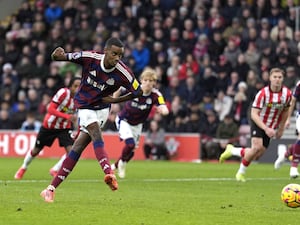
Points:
(222, 104)
(216, 46)
(252, 56)
(154, 145)
(230, 10)
(242, 67)
(190, 92)
(53, 12)
(19, 116)
(227, 132)
(201, 27)
(201, 47)
(291, 77)
(31, 123)
(234, 29)
(232, 87)
(207, 81)
(189, 67)
(208, 132)
(240, 105)
(6, 123)
(141, 55)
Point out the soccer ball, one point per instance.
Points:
(290, 195)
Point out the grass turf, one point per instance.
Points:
(153, 193)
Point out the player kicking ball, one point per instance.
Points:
(130, 120)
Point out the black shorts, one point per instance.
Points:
(260, 133)
(46, 137)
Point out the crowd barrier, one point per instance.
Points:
(16, 144)
(186, 146)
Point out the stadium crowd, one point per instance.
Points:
(211, 55)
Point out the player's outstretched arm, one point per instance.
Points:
(123, 98)
(59, 54)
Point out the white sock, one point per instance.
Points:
(57, 166)
(242, 168)
(236, 151)
(27, 160)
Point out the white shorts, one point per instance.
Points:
(89, 116)
(129, 131)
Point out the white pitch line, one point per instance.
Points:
(147, 180)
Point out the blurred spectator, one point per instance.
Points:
(208, 132)
(240, 105)
(290, 78)
(215, 20)
(141, 55)
(208, 81)
(25, 14)
(252, 56)
(207, 103)
(84, 34)
(33, 100)
(154, 145)
(234, 29)
(275, 15)
(232, 87)
(227, 132)
(259, 9)
(9, 79)
(190, 92)
(189, 67)
(19, 114)
(242, 67)
(177, 115)
(53, 12)
(6, 123)
(188, 38)
(230, 10)
(194, 118)
(201, 27)
(173, 69)
(216, 46)
(31, 123)
(222, 104)
(43, 105)
(201, 47)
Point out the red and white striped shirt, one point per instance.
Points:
(60, 110)
(272, 104)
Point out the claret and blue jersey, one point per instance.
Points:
(136, 111)
(98, 82)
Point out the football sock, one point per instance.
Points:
(28, 159)
(296, 154)
(243, 166)
(127, 152)
(290, 150)
(57, 166)
(236, 151)
(101, 156)
(66, 168)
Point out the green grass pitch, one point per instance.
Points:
(153, 193)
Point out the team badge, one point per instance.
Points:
(149, 101)
(110, 81)
(76, 55)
